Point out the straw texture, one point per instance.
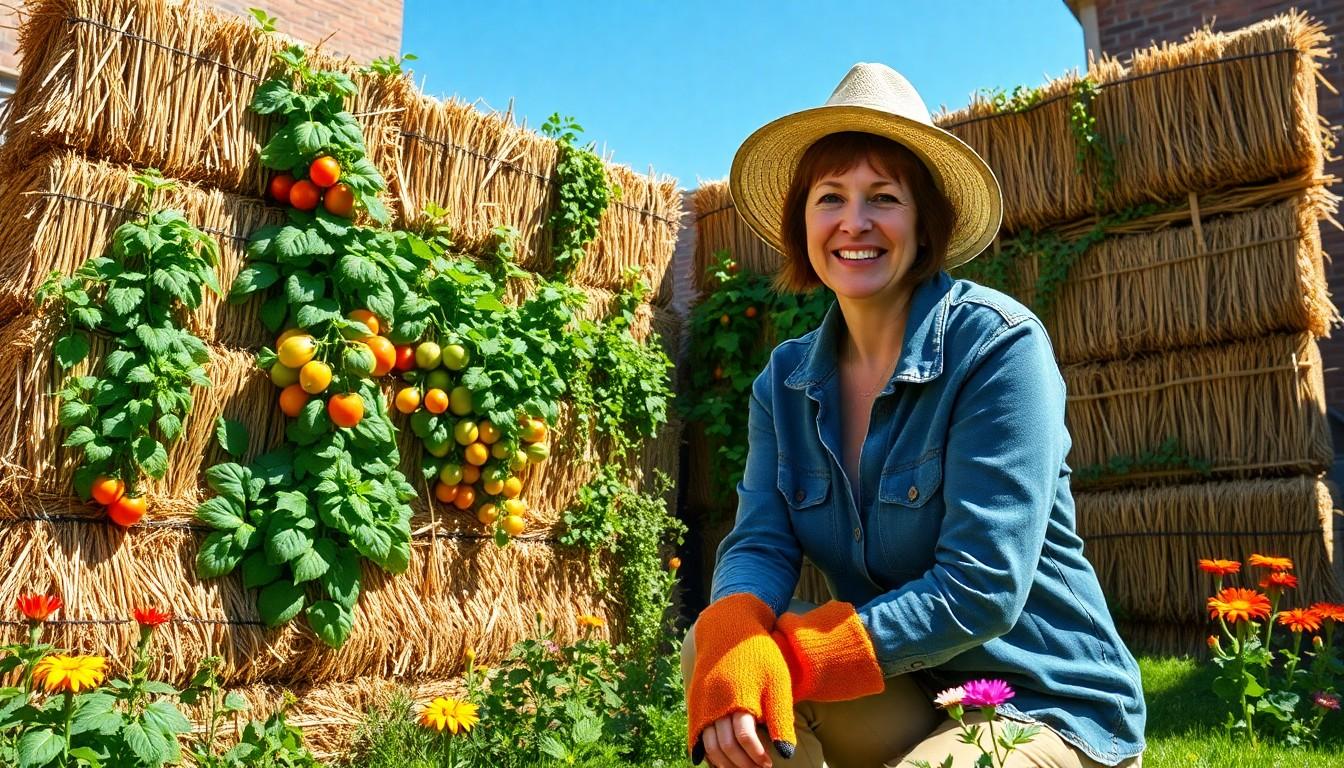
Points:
(457, 593)
(32, 458)
(1238, 276)
(1145, 544)
(1214, 111)
(487, 171)
(1251, 409)
(65, 208)
(167, 84)
(720, 228)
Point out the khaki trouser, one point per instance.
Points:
(893, 727)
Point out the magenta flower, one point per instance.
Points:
(1325, 700)
(986, 693)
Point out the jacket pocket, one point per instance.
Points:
(803, 489)
(913, 484)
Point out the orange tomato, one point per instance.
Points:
(445, 493)
(292, 400)
(724, 319)
(750, 312)
(470, 473)
(408, 400)
(289, 334)
(436, 401)
(514, 525)
(494, 487)
(304, 195)
(466, 496)
(339, 201)
(534, 431)
(324, 171)
(107, 490)
(280, 186)
(513, 487)
(488, 432)
(127, 510)
(368, 318)
(384, 354)
(487, 514)
(346, 410)
(476, 454)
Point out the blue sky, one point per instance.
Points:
(678, 85)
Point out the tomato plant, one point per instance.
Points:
(124, 418)
(583, 196)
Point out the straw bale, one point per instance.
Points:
(458, 592)
(1240, 276)
(167, 84)
(1216, 110)
(67, 207)
(1145, 544)
(1250, 409)
(718, 227)
(487, 171)
(31, 454)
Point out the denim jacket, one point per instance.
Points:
(961, 555)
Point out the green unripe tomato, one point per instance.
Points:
(438, 379)
(451, 474)
(428, 355)
(455, 357)
(518, 461)
(283, 376)
(459, 401)
(438, 448)
(537, 452)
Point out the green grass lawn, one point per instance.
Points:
(1184, 726)
(1184, 729)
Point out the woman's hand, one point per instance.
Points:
(732, 742)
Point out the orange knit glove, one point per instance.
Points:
(738, 668)
(829, 654)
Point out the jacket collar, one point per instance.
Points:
(921, 352)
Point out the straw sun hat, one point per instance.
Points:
(872, 98)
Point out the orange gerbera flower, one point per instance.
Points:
(1301, 620)
(1220, 567)
(151, 616)
(1273, 562)
(1331, 611)
(1279, 580)
(38, 607)
(1236, 604)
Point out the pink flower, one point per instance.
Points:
(986, 693)
(1325, 700)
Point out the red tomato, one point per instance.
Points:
(324, 171)
(405, 357)
(339, 201)
(280, 186)
(304, 195)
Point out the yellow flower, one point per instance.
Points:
(470, 654)
(588, 621)
(69, 673)
(449, 713)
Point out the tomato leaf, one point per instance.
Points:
(341, 580)
(331, 622)
(256, 276)
(170, 427)
(314, 562)
(39, 747)
(220, 513)
(218, 555)
(272, 96)
(310, 137)
(287, 544)
(274, 310)
(232, 436)
(230, 481)
(279, 602)
(71, 349)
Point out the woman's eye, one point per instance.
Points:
(883, 197)
(829, 197)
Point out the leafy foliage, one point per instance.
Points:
(733, 331)
(1169, 456)
(124, 419)
(1091, 145)
(583, 195)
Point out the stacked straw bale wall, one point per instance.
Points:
(1195, 320)
(1215, 111)
(113, 85)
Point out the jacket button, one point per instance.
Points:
(858, 534)
(916, 664)
(798, 496)
(912, 494)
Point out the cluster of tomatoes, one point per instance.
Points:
(323, 186)
(121, 509)
(477, 468)
(301, 376)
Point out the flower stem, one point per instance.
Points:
(993, 741)
(69, 714)
(34, 637)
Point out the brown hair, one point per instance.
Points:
(838, 153)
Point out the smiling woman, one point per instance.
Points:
(912, 447)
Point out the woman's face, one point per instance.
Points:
(861, 236)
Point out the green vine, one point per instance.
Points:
(733, 331)
(1020, 99)
(1168, 456)
(1091, 145)
(583, 195)
(124, 419)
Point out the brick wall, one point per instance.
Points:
(1124, 25)
(363, 31)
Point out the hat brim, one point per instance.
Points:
(764, 165)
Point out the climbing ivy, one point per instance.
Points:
(1168, 456)
(583, 195)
